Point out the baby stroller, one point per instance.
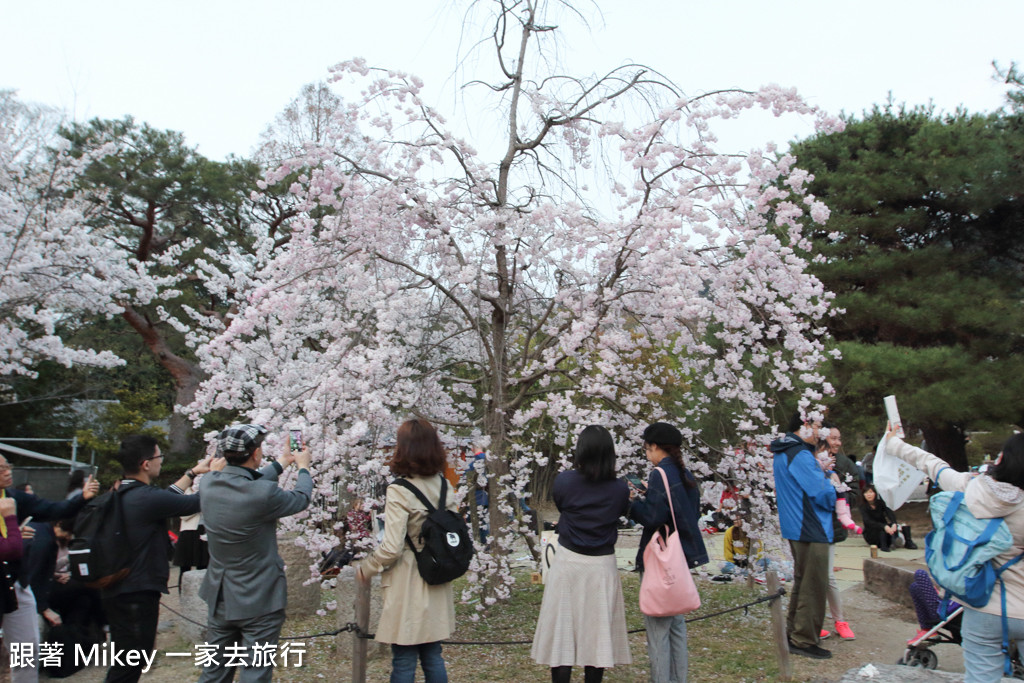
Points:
(919, 653)
(943, 630)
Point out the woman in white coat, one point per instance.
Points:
(997, 493)
(415, 617)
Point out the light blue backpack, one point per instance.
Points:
(960, 552)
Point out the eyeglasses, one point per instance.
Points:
(155, 457)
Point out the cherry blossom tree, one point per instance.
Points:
(606, 264)
(52, 270)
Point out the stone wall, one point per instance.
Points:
(890, 578)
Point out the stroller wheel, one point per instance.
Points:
(923, 658)
(927, 659)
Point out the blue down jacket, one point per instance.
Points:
(805, 495)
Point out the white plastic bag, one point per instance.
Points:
(895, 480)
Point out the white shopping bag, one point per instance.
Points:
(895, 480)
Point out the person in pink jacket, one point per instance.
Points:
(997, 493)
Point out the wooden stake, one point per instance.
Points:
(779, 630)
(360, 645)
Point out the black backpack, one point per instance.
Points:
(447, 547)
(99, 553)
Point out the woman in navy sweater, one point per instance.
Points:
(666, 636)
(582, 618)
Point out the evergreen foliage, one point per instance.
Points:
(923, 251)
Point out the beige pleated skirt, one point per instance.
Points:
(582, 619)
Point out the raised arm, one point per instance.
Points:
(396, 522)
(950, 480)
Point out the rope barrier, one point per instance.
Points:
(736, 608)
(343, 629)
(353, 627)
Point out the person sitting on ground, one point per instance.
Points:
(741, 552)
(880, 525)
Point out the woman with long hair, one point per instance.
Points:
(880, 525)
(666, 636)
(415, 617)
(999, 493)
(582, 619)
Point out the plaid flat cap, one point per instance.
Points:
(239, 437)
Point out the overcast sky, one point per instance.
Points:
(219, 70)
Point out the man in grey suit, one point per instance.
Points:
(244, 586)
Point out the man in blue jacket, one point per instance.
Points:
(806, 497)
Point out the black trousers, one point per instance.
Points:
(133, 619)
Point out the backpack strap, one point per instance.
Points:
(121, 519)
(1007, 662)
(405, 483)
(971, 543)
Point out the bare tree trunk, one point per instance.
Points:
(180, 428)
(185, 373)
(948, 442)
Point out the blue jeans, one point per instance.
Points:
(403, 663)
(983, 643)
(731, 568)
(666, 648)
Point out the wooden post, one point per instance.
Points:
(779, 629)
(360, 645)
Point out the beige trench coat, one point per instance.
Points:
(412, 612)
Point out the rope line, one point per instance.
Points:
(354, 628)
(746, 606)
(343, 629)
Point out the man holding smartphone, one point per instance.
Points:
(245, 588)
(132, 605)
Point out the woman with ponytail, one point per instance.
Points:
(666, 636)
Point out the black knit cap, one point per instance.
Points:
(663, 434)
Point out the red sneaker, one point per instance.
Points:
(844, 630)
(917, 636)
(824, 634)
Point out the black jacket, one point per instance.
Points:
(653, 512)
(146, 511)
(40, 510)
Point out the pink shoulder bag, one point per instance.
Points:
(667, 588)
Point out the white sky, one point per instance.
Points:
(219, 70)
